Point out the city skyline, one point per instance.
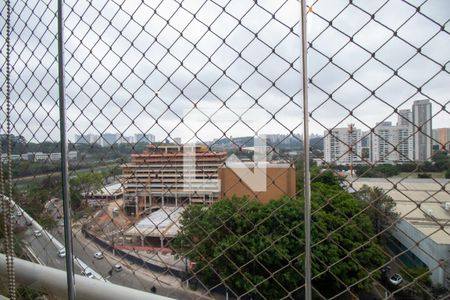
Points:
(104, 95)
(399, 117)
(225, 149)
(410, 139)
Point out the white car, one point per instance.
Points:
(19, 213)
(37, 233)
(98, 255)
(87, 274)
(396, 279)
(117, 267)
(62, 252)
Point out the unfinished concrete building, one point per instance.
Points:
(164, 175)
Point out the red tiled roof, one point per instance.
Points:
(156, 155)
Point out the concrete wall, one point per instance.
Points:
(280, 182)
(428, 251)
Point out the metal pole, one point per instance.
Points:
(51, 281)
(307, 179)
(7, 211)
(64, 160)
(7, 186)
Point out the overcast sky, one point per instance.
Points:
(165, 67)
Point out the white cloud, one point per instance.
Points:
(114, 70)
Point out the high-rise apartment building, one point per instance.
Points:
(412, 139)
(342, 146)
(392, 144)
(404, 117)
(366, 146)
(109, 139)
(88, 138)
(422, 141)
(147, 138)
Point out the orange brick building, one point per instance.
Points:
(441, 138)
(280, 181)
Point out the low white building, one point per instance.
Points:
(73, 155)
(55, 156)
(107, 194)
(4, 157)
(41, 156)
(156, 228)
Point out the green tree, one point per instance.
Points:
(423, 175)
(33, 199)
(422, 277)
(84, 184)
(328, 176)
(441, 160)
(257, 249)
(47, 221)
(383, 170)
(380, 207)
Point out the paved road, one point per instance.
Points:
(43, 247)
(46, 251)
(132, 276)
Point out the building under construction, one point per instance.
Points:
(167, 175)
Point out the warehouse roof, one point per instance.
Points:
(408, 194)
(161, 223)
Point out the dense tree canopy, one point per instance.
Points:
(34, 197)
(440, 162)
(382, 170)
(257, 249)
(83, 184)
(380, 207)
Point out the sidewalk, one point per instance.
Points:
(165, 260)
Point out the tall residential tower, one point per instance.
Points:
(342, 146)
(421, 117)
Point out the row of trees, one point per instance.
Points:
(88, 151)
(257, 249)
(84, 184)
(34, 196)
(440, 162)
(33, 199)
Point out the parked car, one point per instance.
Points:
(87, 273)
(117, 267)
(396, 279)
(19, 213)
(28, 222)
(37, 233)
(98, 255)
(62, 252)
